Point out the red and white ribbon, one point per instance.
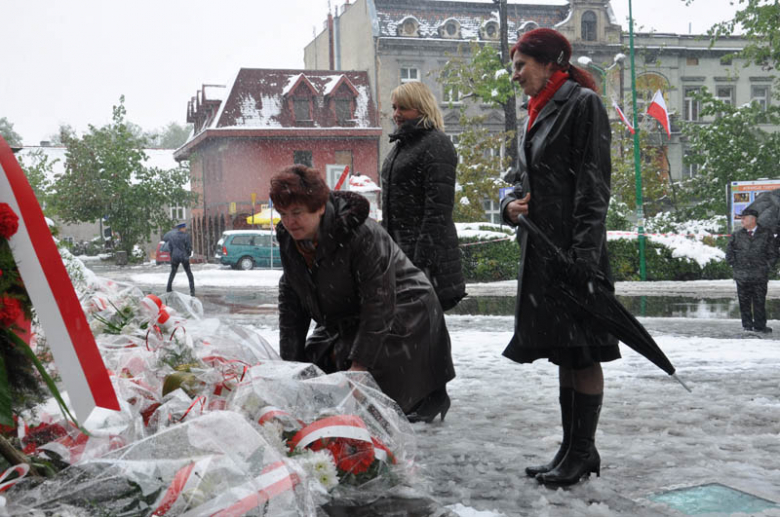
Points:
(51, 291)
(270, 412)
(187, 478)
(22, 469)
(274, 480)
(341, 426)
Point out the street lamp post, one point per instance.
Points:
(640, 214)
(588, 62)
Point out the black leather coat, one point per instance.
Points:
(564, 161)
(752, 258)
(418, 193)
(370, 303)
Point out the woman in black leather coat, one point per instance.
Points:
(374, 310)
(418, 191)
(564, 173)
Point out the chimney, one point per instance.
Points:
(331, 60)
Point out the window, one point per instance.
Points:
(690, 104)
(409, 74)
(689, 169)
(303, 158)
(450, 92)
(692, 61)
(725, 94)
(727, 60)
(241, 240)
(451, 29)
(589, 26)
(343, 109)
(177, 213)
(301, 107)
(760, 94)
(492, 210)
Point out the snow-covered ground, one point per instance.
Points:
(654, 436)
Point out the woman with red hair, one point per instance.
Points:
(562, 183)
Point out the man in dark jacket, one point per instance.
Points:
(180, 246)
(752, 254)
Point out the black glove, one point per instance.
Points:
(580, 272)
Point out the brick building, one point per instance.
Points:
(265, 121)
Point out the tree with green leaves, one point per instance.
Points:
(8, 133)
(739, 144)
(479, 77)
(39, 169)
(171, 136)
(735, 146)
(106, 177)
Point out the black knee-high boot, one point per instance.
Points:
(582, 457)
(566, 399)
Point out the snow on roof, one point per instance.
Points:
(258, 99)
(545, 13)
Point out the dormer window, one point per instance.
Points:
(343, 109)
(409, 27)
(490, 30)
(301, 109)
(526, 26)
(450, 29)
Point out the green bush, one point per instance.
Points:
(489, 261)
(498, 260)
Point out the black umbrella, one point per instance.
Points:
(767, 204)
(593, 298)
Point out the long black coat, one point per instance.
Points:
(752, 258)
(564, 161)
(418, 193)
(370, 303)
(180, 244)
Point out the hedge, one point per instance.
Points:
(497, 260)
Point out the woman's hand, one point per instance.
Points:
(357, 367)
(517, 208)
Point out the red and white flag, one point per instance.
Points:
(623, 116)
(657, 110)
(72, 344)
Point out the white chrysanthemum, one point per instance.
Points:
(97, 326)
(321, 467)
(272, 431)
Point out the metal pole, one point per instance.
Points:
(640, 214)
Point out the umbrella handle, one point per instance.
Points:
(675, 377)
(531, 228)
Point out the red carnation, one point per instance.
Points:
(10, 311)
(9, 221)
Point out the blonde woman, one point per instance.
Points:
(418, 191)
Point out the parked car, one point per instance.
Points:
(247, 249)
(160, 256)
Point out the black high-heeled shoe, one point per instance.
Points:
(438, 402)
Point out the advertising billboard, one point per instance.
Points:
(741, 194)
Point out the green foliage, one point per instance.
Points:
(656, 187)
(734, 147)
(618, 216)
(105, 176)
(39, 169)
(8, 133)
(489, 261)
(171, 136)
(660, 264)
(481, 78)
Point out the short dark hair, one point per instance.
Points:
(299, 185)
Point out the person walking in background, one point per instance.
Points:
(418, 191)
(374, 310)
(180, 246)
(752, 254)
(562, 184)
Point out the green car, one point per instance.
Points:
(247, 249)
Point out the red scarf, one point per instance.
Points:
(536, 103)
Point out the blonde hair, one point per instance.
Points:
(415, 95)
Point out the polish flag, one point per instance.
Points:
(623, 116)
(75, 353)
(657, 110)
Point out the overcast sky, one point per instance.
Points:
(67, 62)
